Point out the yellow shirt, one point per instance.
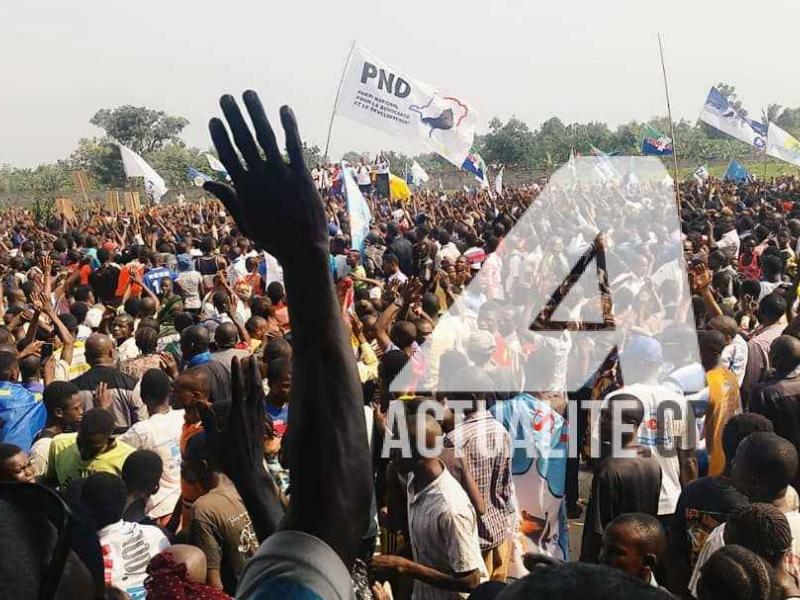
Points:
(65, 463)
(723, 403)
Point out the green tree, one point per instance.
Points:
(100, 158)
(353, 157)
(141, 129)
(173, 160)
(312, 155)
(509, 143)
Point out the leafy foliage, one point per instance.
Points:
(141, 129)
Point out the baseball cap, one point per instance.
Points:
(642, 348)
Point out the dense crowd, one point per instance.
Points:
(203, 391)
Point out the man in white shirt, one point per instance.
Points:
(442, 523)
(668, 428)
(363, 179)
(127, 547)
(763, 467)
(122, 331)
(160, 433)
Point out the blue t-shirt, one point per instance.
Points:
(280, 417)
(22, 415)
(152, 279)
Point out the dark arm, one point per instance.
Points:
(276, 204)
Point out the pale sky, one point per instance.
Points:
(581, 60)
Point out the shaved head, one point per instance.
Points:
(784, 354)
(99, 348)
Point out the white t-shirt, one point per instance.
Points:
(729, 244)
(716, 540)
(127, 350)
(161, 433)
(362, 175)
(675, 427)
(127, 548)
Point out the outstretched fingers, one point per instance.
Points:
(264, 133)
(294, 145)
(241, 132)
(227, 154)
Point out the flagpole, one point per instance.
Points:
(336, 100)
(671, 126)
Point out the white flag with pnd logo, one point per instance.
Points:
(379, 95)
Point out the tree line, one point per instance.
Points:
(156, 136)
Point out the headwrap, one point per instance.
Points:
(167, 580)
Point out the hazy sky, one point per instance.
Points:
(581, 60)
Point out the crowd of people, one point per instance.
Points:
(203, 393)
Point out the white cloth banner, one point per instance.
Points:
(381, 96)
(357, 207)
(418, 174)
(782, 145)
(136, 166)
(498, 182)
(720, 114)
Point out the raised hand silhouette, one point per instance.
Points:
(273, 201)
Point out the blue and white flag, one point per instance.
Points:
(721, 115)
(656, 143)
(196, 176)
(737, 172)
(474, 164)
(357, 206)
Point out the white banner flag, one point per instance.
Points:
(720, 114)
(418, 174)
(136, 166)
(376, 94)
(498, 182)
(782, 145)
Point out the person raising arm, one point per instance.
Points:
(275, 204)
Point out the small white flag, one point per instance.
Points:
(783, 145)
(498, 182)
(701, 173)
(418, 174)
(136, 166)
(214, 163)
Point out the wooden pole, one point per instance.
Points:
(671, 126)
(336, 100)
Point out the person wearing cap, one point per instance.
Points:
(668, 428)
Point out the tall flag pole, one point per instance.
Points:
(671, 126)
(336, 100)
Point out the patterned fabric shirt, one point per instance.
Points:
(484, 443)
